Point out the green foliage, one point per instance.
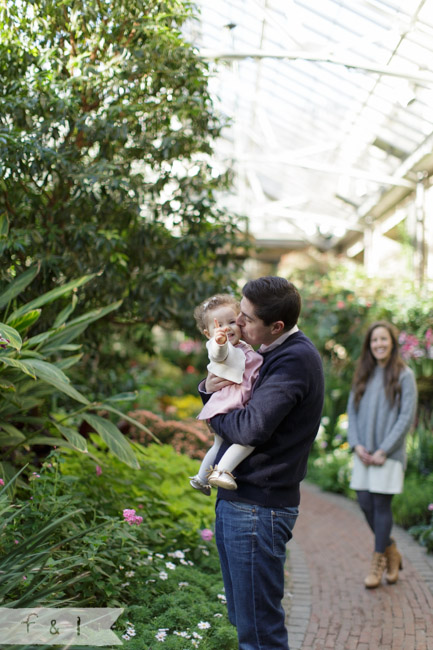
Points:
(106, 124)
(39, 405)
(160, 570)
(411, 506)
(424, 532)
(420, 445)
(188, 604)
(160, 491)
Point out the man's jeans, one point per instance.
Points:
(251, 542)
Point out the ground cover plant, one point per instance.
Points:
(114, 536)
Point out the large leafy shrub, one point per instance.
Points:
(39, 405)
(106, 124)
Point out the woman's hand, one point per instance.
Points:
(214, 383)
(364, 455)
(379, 457)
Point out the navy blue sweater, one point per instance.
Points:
(281, 420)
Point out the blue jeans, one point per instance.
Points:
(251, 543)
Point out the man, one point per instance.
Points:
(255, 522)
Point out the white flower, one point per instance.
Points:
(183, 584)
(163, 575)
(129, 574)
(196, 635)
(131, 631)
(205, 551)
(124, 584)
(159, 555)
(126, 637)
(182, 561)
(222, 598)
(185, 635)
(218, 615)
(178, 555)
(170, 565)
(160, 636)
(203, 625)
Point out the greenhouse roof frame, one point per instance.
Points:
(330, 109)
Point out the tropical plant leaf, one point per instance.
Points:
(51, 295)
(53, 375)
(19, 284)
(115, 440)
(52, 442)
(128, 418)
(76, 439)
(66, 312)
(10, 435)
(18, 364)
(6, 385)
(22, 323)
(9, 333)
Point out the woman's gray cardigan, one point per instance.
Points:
(377, 425)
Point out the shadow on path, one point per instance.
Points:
(329, 607)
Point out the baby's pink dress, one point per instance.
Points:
(234, 396)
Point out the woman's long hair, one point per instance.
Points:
(367, 363)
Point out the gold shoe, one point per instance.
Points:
(198, 484)
(394, 563)
(378, 566)
(222, 478)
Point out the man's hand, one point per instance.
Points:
(220, 335)
(214, 383)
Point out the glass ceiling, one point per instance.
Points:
(331, 109)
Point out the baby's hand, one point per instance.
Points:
(219, 333)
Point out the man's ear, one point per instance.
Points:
(277, 327)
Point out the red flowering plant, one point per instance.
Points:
(417, 351)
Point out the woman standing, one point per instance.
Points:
(381, 410)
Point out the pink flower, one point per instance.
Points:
(130, 516)
(190, 370)
(206, 534)
(341, 304)
(98, 470)
(2, 481)
(430, 507)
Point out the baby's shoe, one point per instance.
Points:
(222, 478)
(198, 484)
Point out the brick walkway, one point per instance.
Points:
(328, 606)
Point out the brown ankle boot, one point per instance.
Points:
(393, 563)
(378, 565)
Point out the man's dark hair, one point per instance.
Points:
(274, 299)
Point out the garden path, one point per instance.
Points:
(328, 606)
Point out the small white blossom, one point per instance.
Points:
(126, 637)
(170, 565)
(196, 635)
(203, 625)
(163, 575)
(129, 574)
(218, 615)
(183, 584)
(179, 555)
(159, 555)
